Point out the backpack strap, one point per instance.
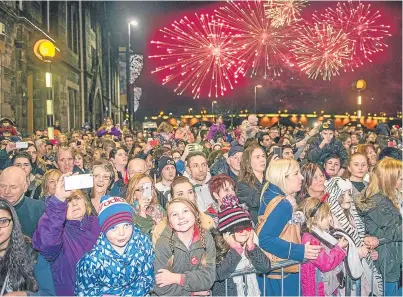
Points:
(269, 208)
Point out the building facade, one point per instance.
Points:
(84, 72)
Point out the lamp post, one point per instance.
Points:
(256, 87)
(128, 85)
(45, 50)
(359, 85)
(212, 107)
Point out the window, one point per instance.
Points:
(74, 109)
(93, 20)
(72, 26)
(94, 58)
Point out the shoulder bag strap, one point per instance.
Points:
(269, 208)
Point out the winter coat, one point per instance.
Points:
(220, 166)
(269, 235)
(382, 129)
(29, 211)
(384, 222)
(250, 196)
(325, 263)
(103, 271)
(214, 129)
(114, 132)
(63, 242)
(318, 155)
(187, 261)
(228, 266)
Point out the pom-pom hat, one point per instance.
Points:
(114, 211)
(232, 219)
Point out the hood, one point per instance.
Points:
(271, 191)
(208, 177)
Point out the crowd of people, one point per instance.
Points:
(202, 211)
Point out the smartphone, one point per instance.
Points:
(278, 151)
(147, 190)
(80, 181)
(21, 145)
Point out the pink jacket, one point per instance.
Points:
(325, 262)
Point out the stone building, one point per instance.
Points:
(84, 71)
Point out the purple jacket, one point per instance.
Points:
(216, 128)
(63, 243)
(114, 132)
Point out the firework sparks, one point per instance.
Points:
(258, 44)
(284, 12)
(197, 53)
(362, 27)
(321, 50)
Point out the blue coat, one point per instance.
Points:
(103, 271)
(269, 239)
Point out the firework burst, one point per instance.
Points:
(362, 27)
(197, 53)
(257, 43)
(284, 12)
(321, 50)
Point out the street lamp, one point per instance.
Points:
(45, 50)
(256, 87)
(128, 86)
(212, 107)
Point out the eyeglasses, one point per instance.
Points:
(5, 222)
(100, 177)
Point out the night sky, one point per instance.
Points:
(292, 91)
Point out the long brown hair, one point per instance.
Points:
(308, 172)
(383, 180)
(246, 173)
(193, 208)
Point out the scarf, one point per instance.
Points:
(246, 285)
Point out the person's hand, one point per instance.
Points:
(202, 293)
(363, 251)
(185, 152)
(373, 255)
(343, 243)
(165, 277)
(313, 131)
(324, 142)
(147, 148)
(371, 242)
(230, 239)
(250, 244)
(311, 251)
(10, 147)
(275, 157)
(60, 192)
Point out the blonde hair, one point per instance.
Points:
(53, 173)
(164, 127)
(131, 188)
(308, 205)
(278, 171)
(383, 180)
(195, 211)
(79, 194)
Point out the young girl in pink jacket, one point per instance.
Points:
(323, 276)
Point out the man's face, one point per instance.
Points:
(49, 148)
(75, 136)
(38, 133)
(235, 161)
(169, 173)
(13, 184)
(287, 153)
(129, 141)
(266, 141)
(327, 134)
(136, 166)
(273, 133)
(197, 168)
(354, 139)
(65, 161)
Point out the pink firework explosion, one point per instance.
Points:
(259, 46)
(197, 54)
(321, 50)
(362, 27)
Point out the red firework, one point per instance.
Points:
(259, 45)
(365, 34)
(197, 53)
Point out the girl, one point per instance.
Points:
(237, 251)
(330, 260)
(381, 212)
(119, 159)
(120, 263)
(369, 151)
(346, 218)
(185, 253)
(357, 170)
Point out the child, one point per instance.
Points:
(121, 262)
(237, 251)
(184, 254)
(321, 277)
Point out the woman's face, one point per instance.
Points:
(346, 200)
(318, 182)
(184, 190)
(372, 156)
(225, 190)
(32, 151)
(6, 228)
(141, 194)
(399, 184)
(62, 138)
(120, 158)
(332, 166)
(51, 185)
(176, 156)
(149, 162)
(293, 181)
(24, 164)
(371, 138)
(258, 160)
(347, 143)
(102, 179)
(78, 161)
(76, 209)
(358, 166)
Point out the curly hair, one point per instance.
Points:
(17, 263)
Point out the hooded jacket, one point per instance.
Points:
(103, 271)
(318, 155)
(187, 261)
(63, 242)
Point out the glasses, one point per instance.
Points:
(102, 177)
(5, 222)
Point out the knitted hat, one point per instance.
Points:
(230, 219)
(327, 125)
(235, 149)
(164, 161)
(113, 211)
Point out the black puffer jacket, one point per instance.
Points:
(318, 155)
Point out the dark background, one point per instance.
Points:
(292, 91)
